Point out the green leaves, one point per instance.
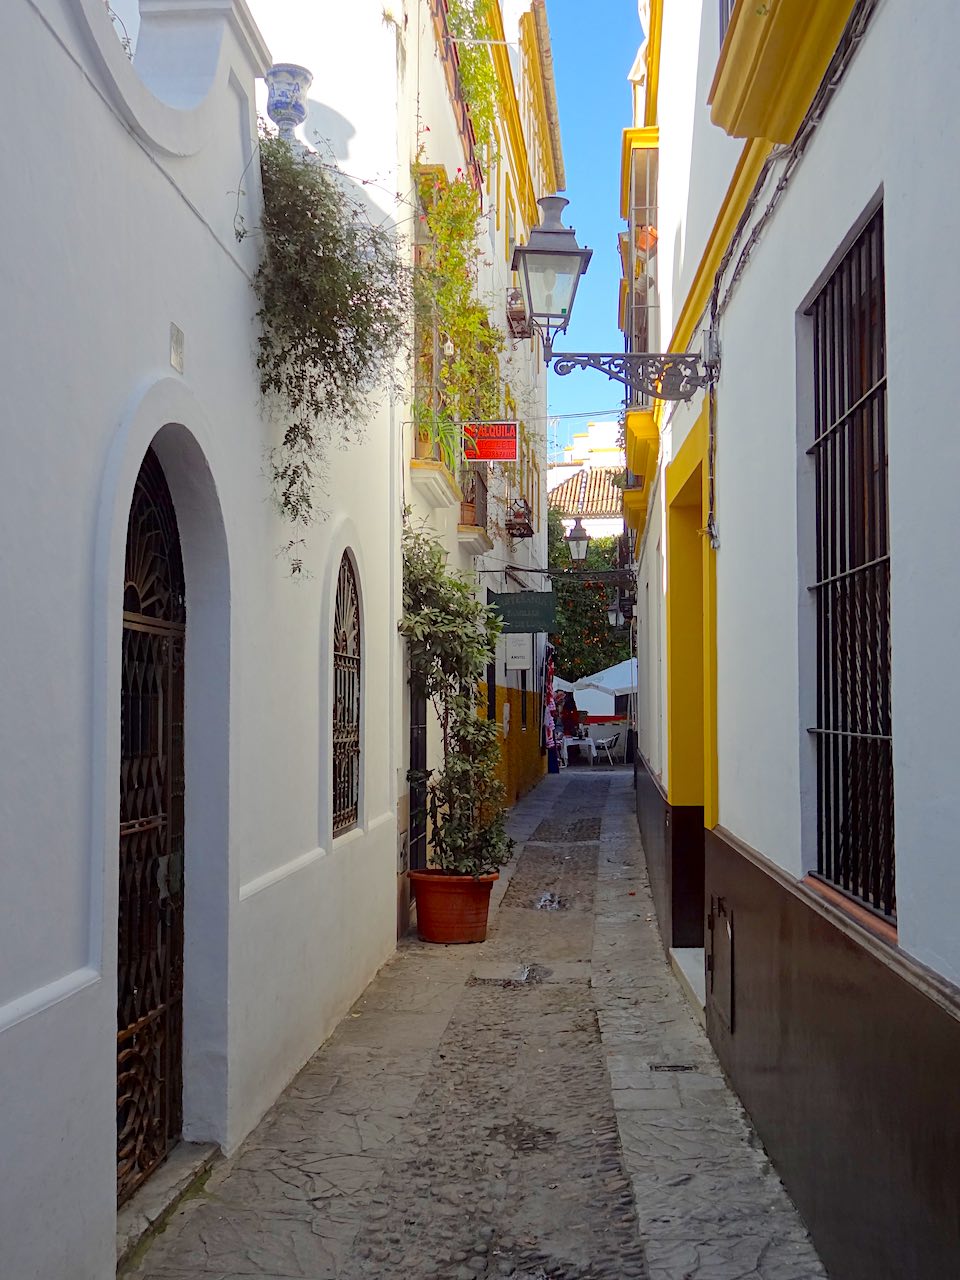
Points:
(465, 386)
(334, 302)
(451, 637)
(584, 640)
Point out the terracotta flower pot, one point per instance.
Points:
(451, 908)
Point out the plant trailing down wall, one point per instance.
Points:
(584, 641)
(469, 22)
(334, 307)
(451, 638)
(462, 386)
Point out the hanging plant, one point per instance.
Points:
(470, 26)
(334, 302)
(465, 385)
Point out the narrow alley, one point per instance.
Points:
(542, 1106)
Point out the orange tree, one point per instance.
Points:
(584, 640)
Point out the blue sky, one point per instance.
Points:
(594, 46)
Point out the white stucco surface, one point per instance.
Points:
(874, 143)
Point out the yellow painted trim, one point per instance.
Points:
(772, 62)
(645, 139)
(741, 186)
(622, 306)
(510, 114)
(653, 62)
(691, 640)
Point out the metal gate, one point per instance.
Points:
(418, 782)
(150, 923)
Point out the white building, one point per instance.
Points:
(588, 483)
(143, 588)
(784, 187)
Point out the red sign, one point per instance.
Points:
(490, 441)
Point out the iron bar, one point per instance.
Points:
(659, 375)
(855, 835)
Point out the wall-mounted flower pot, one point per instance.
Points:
(468, 513)
(451, 908)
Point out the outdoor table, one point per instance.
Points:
(584, 744)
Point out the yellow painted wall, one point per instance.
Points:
(691, 630)
(521, 764)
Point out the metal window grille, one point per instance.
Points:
(346, 700)
(854, 741)
(726, 13)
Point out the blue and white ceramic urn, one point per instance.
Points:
(287, 87)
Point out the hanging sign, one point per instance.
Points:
(491, 441)
(518, 651)
(529, 611)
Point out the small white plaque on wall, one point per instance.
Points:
(519, 652)
(176, 347)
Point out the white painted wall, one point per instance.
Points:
(119, 226)
(874, 137)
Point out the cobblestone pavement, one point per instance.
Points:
(512, 1109)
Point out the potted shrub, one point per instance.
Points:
(451, 638)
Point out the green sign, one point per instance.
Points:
(530, 611)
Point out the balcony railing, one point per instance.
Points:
(473, 508)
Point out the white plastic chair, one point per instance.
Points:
(606, 745)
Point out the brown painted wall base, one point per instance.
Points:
(848, 1061)
(673, 843)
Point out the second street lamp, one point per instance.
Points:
(578, 540)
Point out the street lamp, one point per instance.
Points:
(614, 616)
(550, 265)
(578, 540)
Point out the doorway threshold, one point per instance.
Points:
(689, 965)
(148, 1209)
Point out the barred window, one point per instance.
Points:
(855, 846)
(346, 700)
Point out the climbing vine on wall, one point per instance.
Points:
(458, 364)
(334, 308)
(469, 22)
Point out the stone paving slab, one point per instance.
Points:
(541, 1107)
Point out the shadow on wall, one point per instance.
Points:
(330, 134)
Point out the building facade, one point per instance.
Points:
(795, 720)
(205, 784)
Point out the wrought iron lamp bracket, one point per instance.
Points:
(659, 376)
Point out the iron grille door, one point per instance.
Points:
(346, 700)
(150, 916)
(418, 780)
(853, 731)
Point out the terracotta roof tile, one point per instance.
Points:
(589, 492)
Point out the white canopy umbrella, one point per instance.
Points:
(592, 702)
(617, 680)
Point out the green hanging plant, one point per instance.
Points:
(464, 386)
(470, 26)
(334, 306)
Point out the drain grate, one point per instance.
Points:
(528, 975)
(673, 1066)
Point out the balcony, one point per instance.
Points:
(519, 521)
(518, 325)
(472, 528)
(773, 59)
(432, 478)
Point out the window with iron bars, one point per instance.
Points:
(346, 700)
(855, 837)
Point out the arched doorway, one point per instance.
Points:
(150, 916)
